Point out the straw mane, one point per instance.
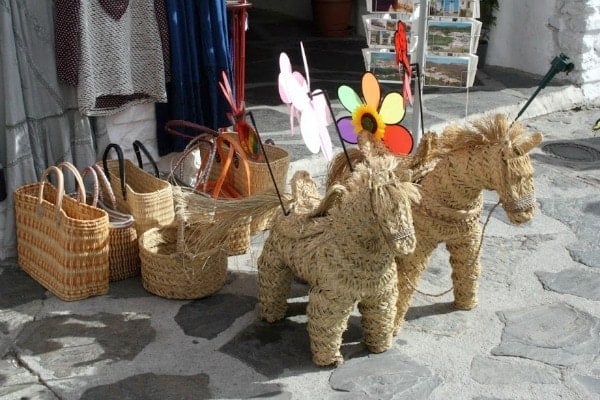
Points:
(489, 130)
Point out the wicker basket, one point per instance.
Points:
(171, 268)
(146, 197)
(260, 178)
(124, 259)
(61, 243)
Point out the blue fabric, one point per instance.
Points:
(200, 50)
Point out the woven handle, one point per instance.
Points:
(137, 146)
(233, 147)
(206, 163)
(121, 161)
(200, 135)
(60, 189)
(96, 193)
(81, 197)
(117, 219)
(106, 186)
(172, 128)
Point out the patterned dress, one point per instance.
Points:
(112, 51)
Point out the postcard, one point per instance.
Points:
(391, 6)
(452, 37)
(380, 31)
(454, 8)
(450, 71)
(383, 64)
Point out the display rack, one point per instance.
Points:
(446, 54)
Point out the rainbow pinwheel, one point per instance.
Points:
(380, 117)
(310, 108)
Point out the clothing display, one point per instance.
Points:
(39, 121)
(67, 65)
(200, 51)
(111, 50)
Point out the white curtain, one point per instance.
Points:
(39, 121)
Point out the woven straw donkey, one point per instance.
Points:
(345, 250)
(452, 170)
(490, 154)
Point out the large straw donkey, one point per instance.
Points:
(345, 250)
(452, 170)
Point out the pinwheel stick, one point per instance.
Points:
(417, 72)
(320, 92)
(262, 148)
(559, 64)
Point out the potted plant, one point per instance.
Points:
(487, 16)
(332, 17)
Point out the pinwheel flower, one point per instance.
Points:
(310, 107)
(379, 117)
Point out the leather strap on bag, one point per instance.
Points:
(137, 146)
(121, 161)
(234, 148)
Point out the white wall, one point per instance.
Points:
(522, 38)
(529, 34)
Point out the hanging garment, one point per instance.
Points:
(200, 50)
(111, 50)
(39, 121)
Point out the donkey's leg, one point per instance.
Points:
(378, 313)
(328, 314)
(274, 283)
(410, 269)
(466, 267)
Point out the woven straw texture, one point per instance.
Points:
(452, 171)
(247, 178)
(186, 260)
(147, 198)
(344, 248)
(490, 154)
(61, 243)
(169, 272)
(260, 178)
(123, 254)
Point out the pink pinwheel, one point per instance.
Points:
(310, 108)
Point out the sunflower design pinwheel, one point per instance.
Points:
(372, 114)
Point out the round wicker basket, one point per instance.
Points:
(177, 270)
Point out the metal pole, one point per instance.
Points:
(420, 59)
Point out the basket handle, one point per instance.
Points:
(96, 193)
(171, 128)
(60, 190)
(121, 161)
(234, 147)
(78, 180)
(206, 163)
(137, 146)
(105, 183)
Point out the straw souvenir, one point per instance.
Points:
(62, 243)
(124, 260)
(148, 198)
(214, 179)
(183, 260)
(344, 248)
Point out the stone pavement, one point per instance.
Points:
(534, 335)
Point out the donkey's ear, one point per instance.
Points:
(527, 144)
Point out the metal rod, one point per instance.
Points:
(420, 60)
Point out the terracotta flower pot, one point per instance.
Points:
(332, 17)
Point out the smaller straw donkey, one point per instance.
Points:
(452, 170)
(344, 249)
